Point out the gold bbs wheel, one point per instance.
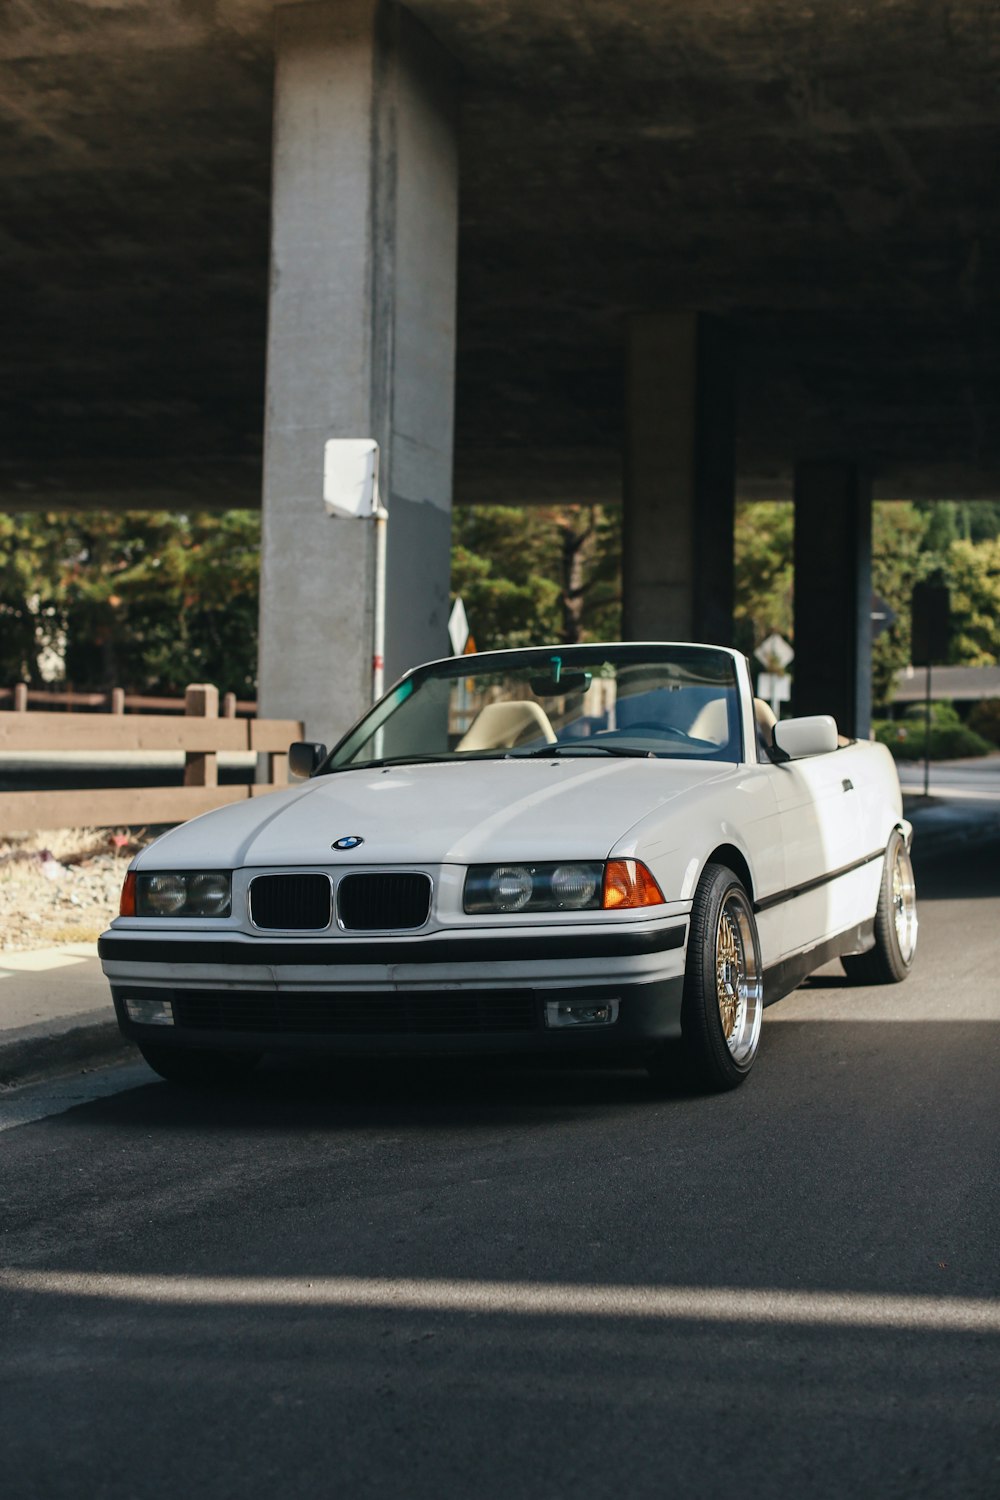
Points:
(723, 1004)
(738, 987)
(728, 973)
(893, 943)
(904, 903)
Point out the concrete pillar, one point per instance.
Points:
(361, 343)
(677, 561)
(833, 584)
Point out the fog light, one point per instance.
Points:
(150, 1012)
(581, 1012)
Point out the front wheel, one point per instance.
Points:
(199, 1069)
(723, 1003)
(891, 959)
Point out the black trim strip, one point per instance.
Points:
(782, 978)
(814, 885)
(429, 950)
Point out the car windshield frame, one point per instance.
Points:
(573, 663)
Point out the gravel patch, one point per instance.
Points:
(62, 886)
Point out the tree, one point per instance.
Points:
(32, 616)
(154, 600)
(533, 574)
(762, 601)
(590, 572)
(158, 600)
(965, 520)
(973, 574)
(764, 540)
(899, 559)
(146, 600)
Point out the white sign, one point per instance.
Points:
(350, 478)
(458, 628)
(775, 652)
(776, 687)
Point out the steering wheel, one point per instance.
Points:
(667, 730)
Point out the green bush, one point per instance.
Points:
(943, 713)
(906, 740)
(985, 720)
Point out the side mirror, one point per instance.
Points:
(797, 738)
(304, 757)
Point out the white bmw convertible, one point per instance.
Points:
(606, 848)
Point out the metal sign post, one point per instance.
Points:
(774, 682)
(930, 631)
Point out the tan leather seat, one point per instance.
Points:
(498, 726)
(712, 722)
(764, 715)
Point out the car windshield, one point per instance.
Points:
(625, 700)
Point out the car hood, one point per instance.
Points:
(456, 812)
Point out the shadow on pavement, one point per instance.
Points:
(859, 1159)
(416, 1094)
(257, 1401)
(962, 874)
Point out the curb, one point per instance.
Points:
(35, 1052)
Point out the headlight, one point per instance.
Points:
(510, 888)
(198, 893)
(209, 895)
(577, 885)
(505, 888)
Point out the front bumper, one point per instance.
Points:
(431, 1023)
(441, 993)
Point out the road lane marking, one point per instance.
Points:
(531, 1299)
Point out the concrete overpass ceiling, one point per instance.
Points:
(135, 171)
(823, 174)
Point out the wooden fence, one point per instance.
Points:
(200, 733)
(21, 698)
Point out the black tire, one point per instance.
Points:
(891, 959)
(721, 1011)
(196, 1069)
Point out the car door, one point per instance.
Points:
(821, 827)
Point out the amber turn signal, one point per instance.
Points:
(126, 906)
(627, 882)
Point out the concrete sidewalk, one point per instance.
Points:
(56, 1015)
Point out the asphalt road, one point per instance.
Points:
(978, 778)
(513, 1283)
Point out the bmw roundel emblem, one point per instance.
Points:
(350, 841)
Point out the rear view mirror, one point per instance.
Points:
(304, 757)
(565, 685)
(797, 738)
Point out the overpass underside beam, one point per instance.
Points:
(677, 556)
(833, 562)
(361, 343)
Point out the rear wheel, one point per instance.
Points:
(198, 1069)
(723, 1002)
(891, 959)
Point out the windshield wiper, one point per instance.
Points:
(389, 760)
(480, 755)
(582, 749)
(419, 760)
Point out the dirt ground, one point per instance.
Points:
(63, 885)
